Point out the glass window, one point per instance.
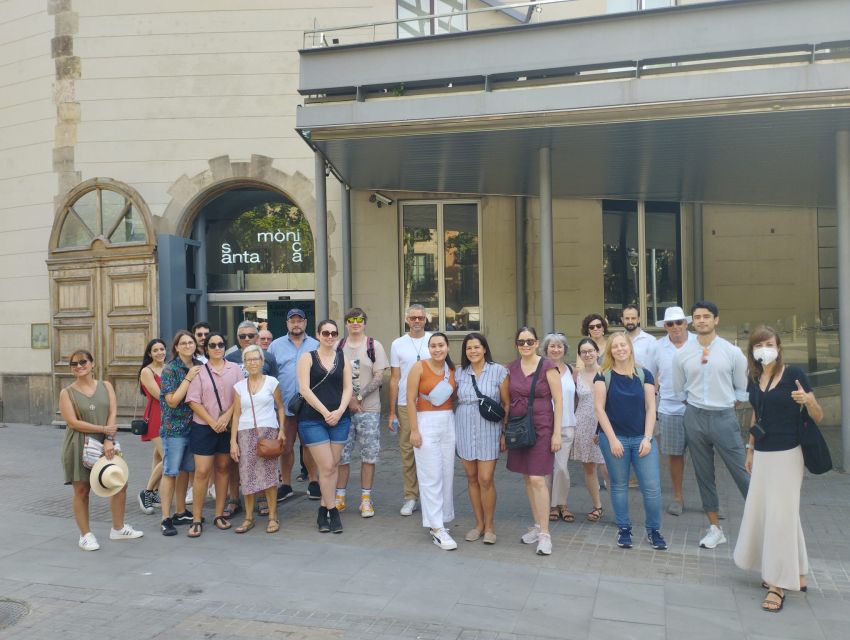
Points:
(103, 213)
(409, 10)
(621, 222)
(440, 248)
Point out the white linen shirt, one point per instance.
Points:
(644, 347)
(664, 351)
(715, 385)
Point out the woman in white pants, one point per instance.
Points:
(430, 388)
(555, 348)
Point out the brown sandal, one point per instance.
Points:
(273, 526)
(567, 515)
(595, 515)
(246, 526)
(554, 514)
(195, 529)
(221, 522)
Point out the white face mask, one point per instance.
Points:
(765, 355)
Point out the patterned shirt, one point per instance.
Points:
(175, 422)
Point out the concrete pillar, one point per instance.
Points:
(547, 279)
(320, 240)
(842, 181)
(519, 240)
(345, 230)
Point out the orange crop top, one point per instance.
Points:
(427, 381)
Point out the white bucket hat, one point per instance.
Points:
(108, 477)
(673, 313)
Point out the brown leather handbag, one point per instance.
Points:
(266, 447)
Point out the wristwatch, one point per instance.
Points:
(359, 397)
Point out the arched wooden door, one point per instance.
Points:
(103, 284)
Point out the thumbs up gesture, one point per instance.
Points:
(799, 394)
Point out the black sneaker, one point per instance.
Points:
(284, 491)
(168, 528)
(624, 537)
(146, 501)
(335, 522)
(184, 518)
(313, 491)
(323, 521)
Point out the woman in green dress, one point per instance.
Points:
(88, 407)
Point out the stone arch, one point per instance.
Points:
(189, 195)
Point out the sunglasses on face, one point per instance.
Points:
(357, 320)
(594, 326)
(329, 334)
(529, 342)
(201, 334)
(78, 363)
(246, 336)
(416, 318)
(674, 323)
(215, 345)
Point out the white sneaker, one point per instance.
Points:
(211, 492)
(125, 533)
(532, 535)
(713, 537)
(443, 540)
(544, 545)
(88, 542)
(189, 496)
(408, 508)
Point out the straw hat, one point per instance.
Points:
(108, 477)
(673, 313)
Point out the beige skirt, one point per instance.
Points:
(771, 538)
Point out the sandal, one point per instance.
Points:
(771, 606)
(595, 515)
(232, 508)
(246, 525)
(273, 526)
(222, 523)
(195, 529)
(554, 514)
(262, 507)
(567, 515)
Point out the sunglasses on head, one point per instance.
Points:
(329, 334)
(528, 342)
(246, 336)
(674, 323)
(595, 326)
(78, 363)
(355, 320)
(215, 345)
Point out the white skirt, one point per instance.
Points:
(771, 538)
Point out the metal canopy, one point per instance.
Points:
(783, 158)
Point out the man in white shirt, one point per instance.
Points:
(642, 342)
(368, 363)
(409, 348)
(710, 374)
(671, 411)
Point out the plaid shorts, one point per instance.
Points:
(366, 430)
(672, 436)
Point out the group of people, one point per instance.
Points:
(207, 409)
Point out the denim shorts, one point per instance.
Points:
(176, 456)
(315, 432)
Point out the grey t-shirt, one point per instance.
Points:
(363, 371)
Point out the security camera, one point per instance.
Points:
(380, 199)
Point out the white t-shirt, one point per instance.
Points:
(263, 405)
(403, 353)
(568, 393)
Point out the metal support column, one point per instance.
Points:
(547, 279)
(345, 231)
(320, 240)
(842, 181)
(519, 241)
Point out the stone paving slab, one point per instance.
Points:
(382, 578)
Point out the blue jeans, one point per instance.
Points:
(646, 470)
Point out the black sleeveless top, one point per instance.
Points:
(328, 392)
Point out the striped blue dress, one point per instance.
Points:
(477, 438)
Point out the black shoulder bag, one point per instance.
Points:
(815, 451)
(519, 432)
(487, 407)
(296, 402)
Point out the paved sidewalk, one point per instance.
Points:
(382, 578)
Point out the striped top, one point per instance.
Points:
(477, 438)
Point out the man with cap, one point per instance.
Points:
(286, 350)
(671, 410)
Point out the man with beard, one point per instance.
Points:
(710, 374)
(201, 330)
(643, 344)
(286, 350)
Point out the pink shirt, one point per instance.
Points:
(201, 389)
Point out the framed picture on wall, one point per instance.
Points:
(40, 336)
